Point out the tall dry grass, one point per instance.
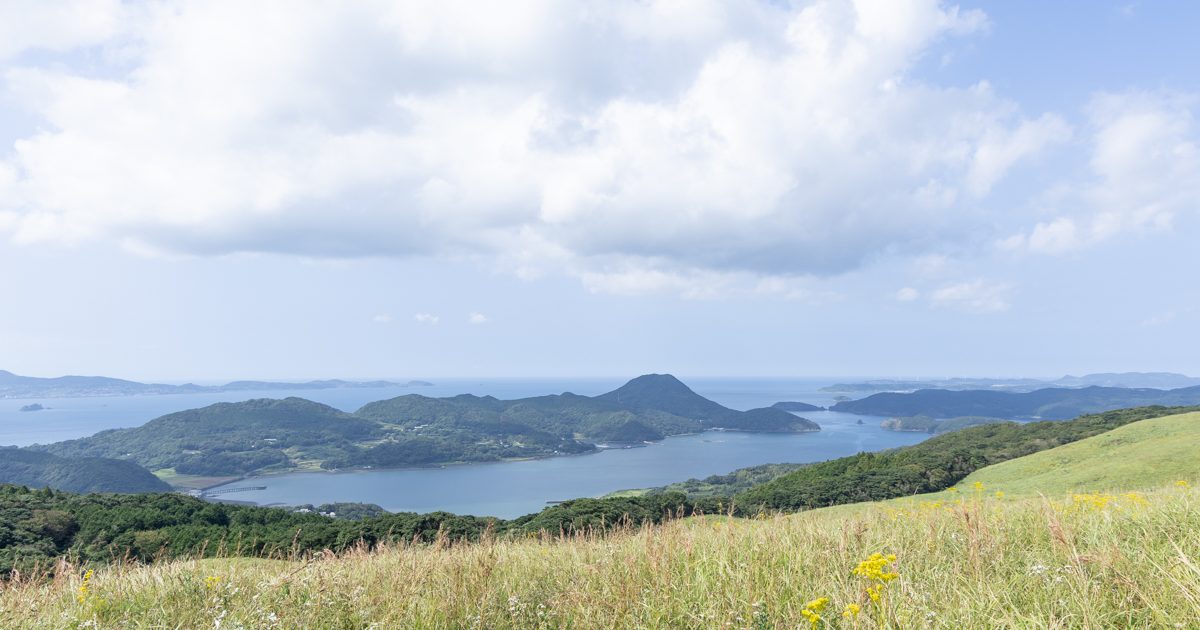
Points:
(1096, 561)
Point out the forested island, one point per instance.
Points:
(265, 435)
(796, 406)
(1048, 404)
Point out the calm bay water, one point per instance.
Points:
(511, 489)
(500, 489)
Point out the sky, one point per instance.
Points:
(215, 190)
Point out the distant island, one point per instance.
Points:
(16, 386)
(33, 407)
(1155, 380)
(1043, 404)
(266, 435)
(797, 406)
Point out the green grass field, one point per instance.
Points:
(1099, 549)
(1145, 454)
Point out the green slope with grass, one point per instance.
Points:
(1023, 563)
(931, 466)
(1145, 454)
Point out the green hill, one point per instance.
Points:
(83, 474)
(1027, 563)
(933, 465)
(1146, 454)
(663, 392)
(227, 438)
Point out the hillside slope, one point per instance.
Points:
(930, 466)
(1145, 454)
(82, 474)
(225, 438)
(1029, 563)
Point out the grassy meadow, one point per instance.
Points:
(1121, 550)
(1144, 454)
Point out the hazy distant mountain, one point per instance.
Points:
(1155, 380)
(411, 430)
(15, 386)
(83, 474)
(1050, 403)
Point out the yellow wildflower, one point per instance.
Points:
(874, 570)
(978, 486)
(811, 610)
(1182, 483)
(83, 588)
(999, 494)
(212, 581)
(1136, 498)
(851, 611)
(1095, 500)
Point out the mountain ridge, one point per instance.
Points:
(1047, 403)
(1132, 380)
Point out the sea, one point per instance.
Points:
(502, 489)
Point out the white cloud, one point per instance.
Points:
(651, 146)
(427, 319)
(1146, 161)
(477, 319)
(932, 265)
(1144, 172)
(382, 319)
(701, 284)
(977, 296)
(57, 26)
(1001, 148)
(1055, 237)
(907, 294)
